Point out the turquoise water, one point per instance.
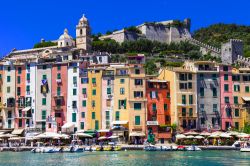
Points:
(137, 158)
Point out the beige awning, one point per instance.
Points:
(120, 122)
(17, 131)
(26, 109)
(246, 98)
(137, 134)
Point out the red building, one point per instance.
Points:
(158, 110)
(59, 88)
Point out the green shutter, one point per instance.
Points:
(73, 117)
(247, 89)
(93, 92)
(235, 99)
(43, 114)
(137, 120)
(27, 88)
(108, 91)
(84, 103)
(119, 103)
(125, 103)
(82, 125)
(8, 78)
(165, 107)
(117, 115)
(28, 76)
(44, 77)
(43, 101)
(84, 91)
(97, 125)
(93, 115)
(93, 80)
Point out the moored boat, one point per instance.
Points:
(247, 149)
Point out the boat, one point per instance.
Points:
(66, 149)
(117, 148)
(76, 148)
(57, 150)
(99, 148)
(108, 148)
(167, 148)
(181, 148)
(247, 149)
(193, 148)
(150, 148)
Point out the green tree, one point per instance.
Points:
(45, 44)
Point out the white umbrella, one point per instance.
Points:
(83, 135)
(205, 134)
(190, 136)
(16, 138)
(102, 138)
(180, 136)
(225, 135)
(7, 135)
(191, 133)
(114, 137)
(199, 137)
(243, 135)
(214, 136)
(47, 135)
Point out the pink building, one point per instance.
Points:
(59, 97)
(83, 76)
(226, 97)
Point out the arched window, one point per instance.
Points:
(80, 31)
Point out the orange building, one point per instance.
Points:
(158, 106)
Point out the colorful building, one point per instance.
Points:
(1, 96)
(158, 110)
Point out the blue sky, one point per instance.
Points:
(23, 23)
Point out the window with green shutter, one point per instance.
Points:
(137, 120)
(236, 100)
(28, 76)
(226, 88)
(154, 107)
(236, 88)
(122, 81)
(168, 95)
(83, 114)
(74, 80)
(226, 77)
(82, 125)
(226, 99)
(43, 114)
(8, 78)
(117, 115)
(73, 117)
(183, 98)
(93, 80)
(20, 122)
(8, 89)
(58, 76)
(96, 125)
(247, 89)
(190, 99)
(44, 77)
(27, 88)
(84, 103)
(74, 92)
(236, 113)
(122, 104)
(183, 111)
(108, 91)
(165, 107)
(190, 111)
(19, 70)
(43, 101)
(122, 91)
(58, 91)
(93, 115)
(202, 92)
(18, 79)
(58, 67)
(94, 92)
(236, 125)
(137, 106)
(84, 91)
(18, 91)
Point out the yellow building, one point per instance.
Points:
(137, 103)
(94, 98)
(241, 97)
(183, 96)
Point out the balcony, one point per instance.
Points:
(57, 107)
(137, 99)
(122, 73)
(59, 81)
(58, 95)
(108, 73)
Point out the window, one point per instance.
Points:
(165, 107)
(44, 77)
(201, 92)
(82, 125)
(182, 77)
(58, 67)
(190, 76)
(122, 104)
(43, 114)
(108, 91)
(122, 81)
(96, 125)
(138, 82)
(8, 78)
(93, 103)
(19, 70)
(168, 95)
(215, 108)
(190, 111)
(214, 92)
(247, 89)
(108, 102)
(9, 68)
(117, 115)
(93, 115)
(154, 108)
(58, 76)
(84, 103)
(183, 111)
(190, 99)
(137, 120)
(75, 80)
(83, 114)
(226, 88)
(183, 99)
(18, 91)
(137, 106)
(43, 101)
(107, 115)
(58, 91)
(93, 80)
(44, 67)
(137, 71)
(190, 85)
(138, 94)
(94, 92)
(8, 89)
(73, 117)
(20, 122)
(18, 79)
(236, 88)
(122, 91)
(214, 76)
(84, 80)
(153, 94)
(225, 68)
(183, 85)
(236, 125)
(226, 99)
(236, 113)
(74, 69)
(236, 77)
(28, 88)
(84, 91)
(225, 77)
(74, 92)
(28, 76)
(74, 104)
(236, 100)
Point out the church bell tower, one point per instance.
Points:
(83, 34)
